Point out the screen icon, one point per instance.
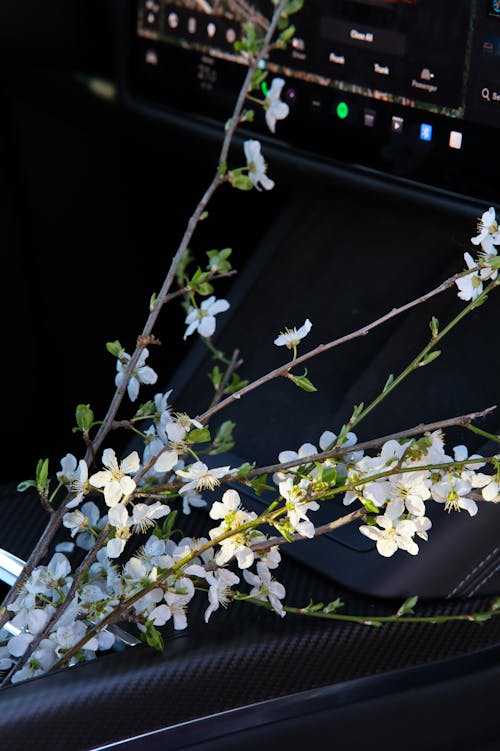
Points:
(397, 124)
(455, 141)
(425, 132)
(342, 110)
(369, 117)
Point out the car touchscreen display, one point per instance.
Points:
(409, 88)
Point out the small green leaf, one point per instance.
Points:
(434, 326)
(258, 77)
(247, 116)
(217, 260)
(370, 506)
(407, 606)
(42, 472)
(215, 376)
(153, 637)
(115, 348)
(25, 485)
(244, 469)
(84, 417)
(327, 474)
(283, 530)
(239, 181)
(332, 607)
(302, 382)
(259, 484)
(199, 435)
(236, 384)
(152, 301)
(223, 440)
(429, 358)
(165, 531)
(481, 617)
(388, 383)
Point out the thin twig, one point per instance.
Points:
(283, 370)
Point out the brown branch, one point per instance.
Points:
(283, 370)
(460, 421)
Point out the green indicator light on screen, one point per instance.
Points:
(342, 110)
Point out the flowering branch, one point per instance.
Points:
(283, 370)
(60, 615)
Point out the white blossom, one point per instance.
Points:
(256, 166)
(274, 108)
(297, 507)
(141, 374)
(392, 532)
(118, 517)
(411, 487)
(115, 479)
(177, 601)
(453, 492)
(488, 232)
(233, 517)
(74, 474)
(471, 285)
(83, 519)
(220, 582)
(292, 337)
(202, 319)
(198, 476)
(145, 515)
(264, 587)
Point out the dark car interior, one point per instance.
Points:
(113, 113)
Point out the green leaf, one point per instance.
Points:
(302, 382)
(244, 469)
(407, 606)
(199, 435)
(223, 440)
(370, 506)
(115, 348)
(332, 607)
(152, 301)
(429, 358)
(388, 383)
(25, 485)
(42, 472)
(285, 36)
(259, 484)
(217, 260)
(283, 530)
(203, 216)
(236, 384)
(480, 617)
(153, 637)
(215, 376)
(247, 116)
(198, 283)
(165, 531)
(326, 474)
(239, 181)
(84, 417)
(434, 326)
(147, 409)
(258, 77)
